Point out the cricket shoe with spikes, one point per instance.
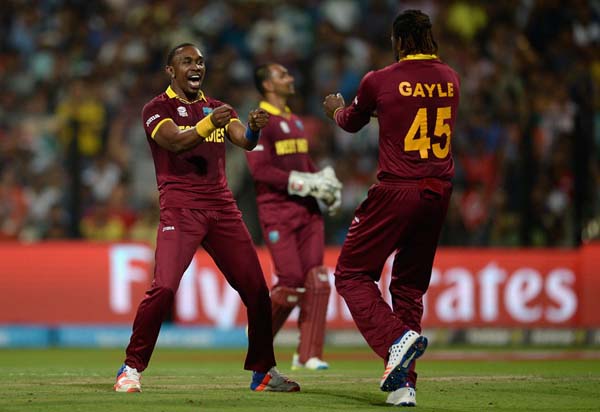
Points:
(128, 380)
(272, 381)
(403, 353)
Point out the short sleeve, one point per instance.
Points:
(154, 114)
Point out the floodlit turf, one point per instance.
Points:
(210, 380)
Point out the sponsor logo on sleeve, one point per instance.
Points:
(151, 119)
(207, 110)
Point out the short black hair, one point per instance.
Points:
(262, 73)
(173, 52)
(413, 28)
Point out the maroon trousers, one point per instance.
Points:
(404, 217)
(296, 246)
(224, 236)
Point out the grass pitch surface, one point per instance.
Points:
(213, 380)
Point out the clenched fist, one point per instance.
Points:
(331, 103)
(221, 115)
(257, 119)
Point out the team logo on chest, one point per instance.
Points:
(299, 124)
(206, 110)
(182, 111)
(284, 126)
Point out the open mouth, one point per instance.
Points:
(194, 81)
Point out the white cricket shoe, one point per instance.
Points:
(403, 353)
(313, 363)
(405, 396)
(128, 380)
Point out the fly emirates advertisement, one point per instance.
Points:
(83, 283)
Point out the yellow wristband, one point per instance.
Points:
(205, 127)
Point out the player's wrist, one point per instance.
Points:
(252, 135)
(205, 127)
(335, 112)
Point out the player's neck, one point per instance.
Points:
(190, 97)
(279, 102)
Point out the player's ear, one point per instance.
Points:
(267, 85)
(170, 71)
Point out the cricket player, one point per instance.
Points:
(186, 131)
(415, 100)
(288, 185)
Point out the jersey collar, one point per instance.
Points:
(418, 56)
(275, 111)
(172, 95)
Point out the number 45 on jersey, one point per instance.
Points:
(417, 139)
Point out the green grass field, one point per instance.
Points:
(213, 380)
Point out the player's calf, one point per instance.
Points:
(283, 300)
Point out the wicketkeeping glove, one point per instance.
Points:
(322, 185)
(334, 199)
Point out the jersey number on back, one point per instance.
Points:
(417, 139)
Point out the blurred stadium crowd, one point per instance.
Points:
(74, 162)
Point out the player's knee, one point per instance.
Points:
(164, 294)
(317, 280)
(286, 296)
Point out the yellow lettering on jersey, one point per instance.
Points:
(218, 136)
(419, 90)
(430, 88)
(441, 93)
(302, 145)
(291, 146)
(405, 89)
(433, 89)
(284, 147)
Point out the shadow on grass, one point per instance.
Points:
(364, 399)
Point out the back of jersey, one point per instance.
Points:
(416, 101)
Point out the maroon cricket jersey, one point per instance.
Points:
(416, 103)
(195, 178)
(282, 147)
